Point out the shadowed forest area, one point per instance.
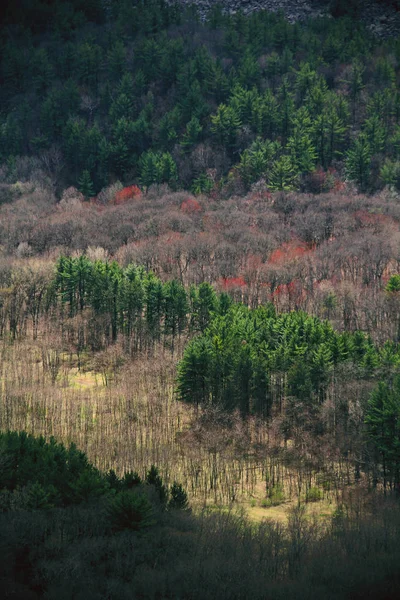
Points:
(199, 304)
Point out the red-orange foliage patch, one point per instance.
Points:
(191, 206)
(339, 186)
(294, 287)
(280, 289)
(288, 252)
(127, 193)
(229, 283)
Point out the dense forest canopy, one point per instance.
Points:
(143, 92)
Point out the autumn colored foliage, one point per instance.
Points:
(191, 206)
(231, 283)
(288, 252)
(373, 220)
(126, 194)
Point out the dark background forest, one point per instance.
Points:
(145, 93)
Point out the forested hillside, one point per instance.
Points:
(143, 92)
(199, 301)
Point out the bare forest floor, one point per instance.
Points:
(125, 416)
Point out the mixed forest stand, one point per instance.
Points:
(275, 404)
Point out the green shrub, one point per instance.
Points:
(178, 498)
(130, 510)
(314, 494)
(393, 285)
(324, 481)
(276, 496)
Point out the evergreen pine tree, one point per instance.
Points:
(358, 162)
(383, 422)
(375, 133)
(85, 184)
(192, 134)
(283, 174)
(302, 151)
(225, 125)
(153, 478)
(178, 499)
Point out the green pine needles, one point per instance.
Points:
(130, 510)
(131, 300)
(140, 102)
(383, 426)
(36, 474)
(252, 360)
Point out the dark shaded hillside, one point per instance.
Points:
(118, 541)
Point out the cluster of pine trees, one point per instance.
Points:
(37, 474)
(256, 361)
(252, 359)
(143, 92)
(263, 363)
(132, 301)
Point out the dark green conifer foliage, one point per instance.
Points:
(203, 307)
(256, 161)
(178, 500)
(302, 151)
(85, 184)
(130, 480)
(192, 133)
(383, 422)
(375, 133)
(358, 162)
(225, 126)
(202, 184)
(393, 285)
(116, 99)
(283, 174)
(153, 478)
(355, 84)
(60, 475)
(252, 360)
(130, 510)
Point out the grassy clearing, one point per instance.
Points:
(85, 380)
(321, 510)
